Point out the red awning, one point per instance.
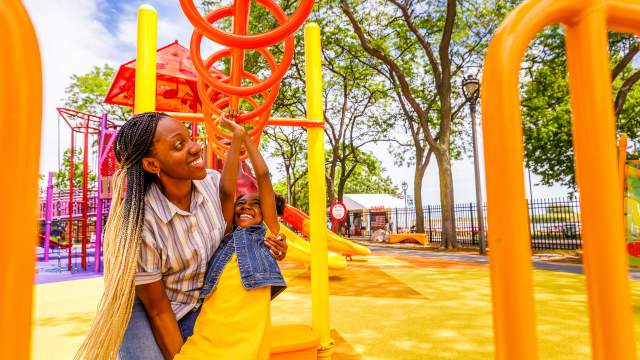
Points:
(176, 81)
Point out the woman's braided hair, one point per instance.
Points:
(123, 234)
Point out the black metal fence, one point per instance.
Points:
(554, 223)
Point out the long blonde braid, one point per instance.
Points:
(123, 234)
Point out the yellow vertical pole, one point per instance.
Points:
(594, 138)
(317, 191)
(145, 96)
(21, 109)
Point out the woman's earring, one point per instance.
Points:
(158, 173)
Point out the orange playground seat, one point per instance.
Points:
(420, 238)
(294, 342)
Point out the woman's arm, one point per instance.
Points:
(265, 189)
(229, 177)
(163, 320)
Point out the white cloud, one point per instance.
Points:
(72, 41)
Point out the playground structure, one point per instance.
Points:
(86, 125)
(510, 257)
(67, 210)
(145, 94)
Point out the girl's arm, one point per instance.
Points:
(229, 177)
(163, 321)
(265, 189)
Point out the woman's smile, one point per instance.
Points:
(198, 163)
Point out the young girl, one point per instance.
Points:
(242, 278)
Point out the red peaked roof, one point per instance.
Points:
(176, 81)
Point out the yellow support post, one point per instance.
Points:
(317, 192)
(21, 109)
(145, 93)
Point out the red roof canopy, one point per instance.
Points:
(176, 81)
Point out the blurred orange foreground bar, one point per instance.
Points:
(594, 135)
(21, 115)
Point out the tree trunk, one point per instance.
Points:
(421, 167)
(331, 192)
(449, 238)
(340, 198)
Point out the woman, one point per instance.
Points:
(159, 239)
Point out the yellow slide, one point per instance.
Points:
(336, 243)
(299, 250)
(345, 247)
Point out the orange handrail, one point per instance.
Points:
(596, 173)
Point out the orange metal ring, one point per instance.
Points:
(217, 107)
(269, 97)
(248, 41)
(277, 71)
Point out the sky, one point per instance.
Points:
(76, 35)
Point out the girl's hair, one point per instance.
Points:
(123, 234)
(281, 204)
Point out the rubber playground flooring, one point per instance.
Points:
(388, 306)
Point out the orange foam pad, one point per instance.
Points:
(415, 237)
(297, 342)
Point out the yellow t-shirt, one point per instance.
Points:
(234, 323)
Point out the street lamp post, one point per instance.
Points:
(287, 162)
(471, 92)
(405, 186)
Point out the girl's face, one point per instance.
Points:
(178, 156)
(247, 210)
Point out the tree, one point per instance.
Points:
(87, 91)
(289, 145)
(546, 110)
(61, 177)
(422, 47)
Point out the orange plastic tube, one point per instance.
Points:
(594, 141)
(21, 109)
(594, 138)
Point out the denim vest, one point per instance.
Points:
(257, 266)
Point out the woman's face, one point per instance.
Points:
(247, 210)
(178, 156)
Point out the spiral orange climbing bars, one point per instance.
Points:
(605, 261)
(260, 94)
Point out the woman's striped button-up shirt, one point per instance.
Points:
(177, 244)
